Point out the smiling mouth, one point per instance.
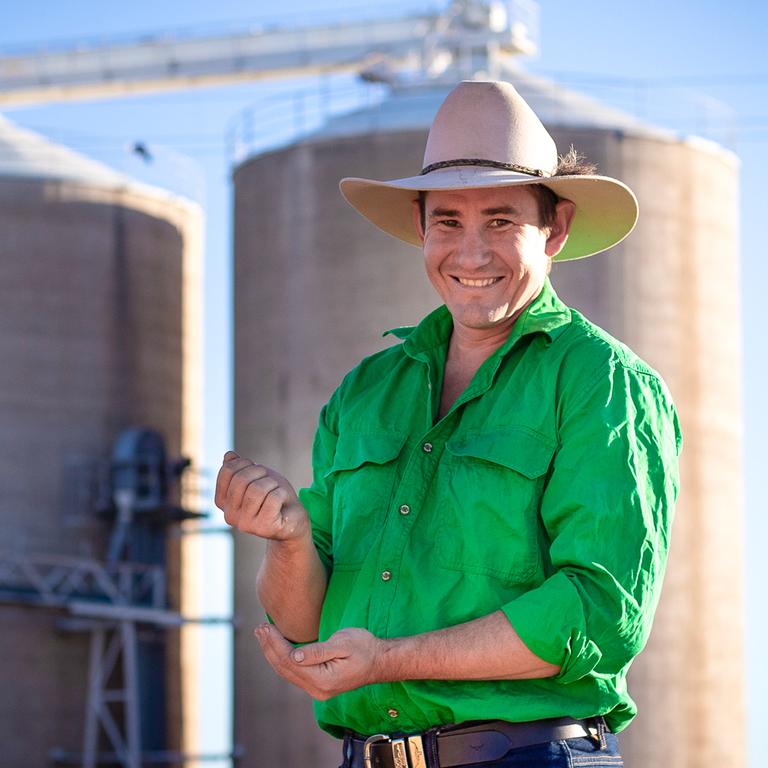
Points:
(484, 283)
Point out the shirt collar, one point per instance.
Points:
(545, 314)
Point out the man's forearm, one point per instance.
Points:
(291, 583)
(487, 648)
(484, 649)
(291, 586)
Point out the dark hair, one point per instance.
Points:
(572, 163)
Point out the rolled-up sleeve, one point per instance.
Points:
(607, 509)
(318, 497)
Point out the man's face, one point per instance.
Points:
(485, 252)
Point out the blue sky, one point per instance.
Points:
(689, 65)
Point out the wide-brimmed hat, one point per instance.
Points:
(486, 135)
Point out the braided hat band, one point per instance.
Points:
(487, 163)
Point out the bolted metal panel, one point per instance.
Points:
(315, 284)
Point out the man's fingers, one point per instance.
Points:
(242, 489)
(278, 652)
(254, 503)
(276, 649)
(232, 484)
(271, 637)
(228, 469)
(257, 500)
(317, 653)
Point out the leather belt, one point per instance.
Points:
(465, 744)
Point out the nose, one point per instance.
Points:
(473, 251)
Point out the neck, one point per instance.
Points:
(480, 342)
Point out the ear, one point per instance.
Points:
(416, 213)
(558, 232)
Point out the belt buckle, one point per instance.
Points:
(406, 752)
(369, 742)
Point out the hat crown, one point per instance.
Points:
(490, 121)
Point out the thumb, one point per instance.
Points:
(230, 455)
(317, 653)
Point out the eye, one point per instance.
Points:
(449, 223)
(499, 223)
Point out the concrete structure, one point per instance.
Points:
(99, 330)
(315, 285)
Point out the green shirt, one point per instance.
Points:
(547, 491)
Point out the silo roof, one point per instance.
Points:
(413, 107)
(559, 106)
(26, 154)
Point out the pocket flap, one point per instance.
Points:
(518, 448)
(355, 449)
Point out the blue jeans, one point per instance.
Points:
(568, 753)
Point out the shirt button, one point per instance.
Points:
(427, 447)
(392, 712)
(404, 509)
(386, 575)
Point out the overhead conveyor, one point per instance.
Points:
(465, 32)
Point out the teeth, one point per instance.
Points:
(477, 283)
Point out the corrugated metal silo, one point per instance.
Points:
(315, 285)
(99, 308)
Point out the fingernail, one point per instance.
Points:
(231, 455)
(298, 656)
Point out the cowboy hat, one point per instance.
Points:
(486, 135)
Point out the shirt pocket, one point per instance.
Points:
(363, 474)
(491, 491)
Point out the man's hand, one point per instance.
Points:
(348, 659)
(257, 500)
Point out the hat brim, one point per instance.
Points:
(606, 209)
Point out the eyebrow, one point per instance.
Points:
(508, 209)
(452, 213)
(448, 212)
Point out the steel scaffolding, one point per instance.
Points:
(113, 600)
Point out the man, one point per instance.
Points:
(479, 557)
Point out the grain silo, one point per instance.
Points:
(100, 306)
(315, 285)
